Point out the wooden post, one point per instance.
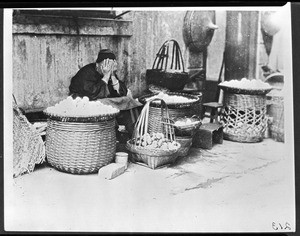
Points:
(241, 44)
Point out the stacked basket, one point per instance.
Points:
(178, 111)
(185, 132)
(80, 145)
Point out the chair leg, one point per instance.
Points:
(212, 115)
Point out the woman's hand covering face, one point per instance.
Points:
(107, 66)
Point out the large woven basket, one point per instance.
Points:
(244, 117)
(176, 110)
(153, 157)
(80, 147)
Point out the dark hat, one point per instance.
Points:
(104, 54)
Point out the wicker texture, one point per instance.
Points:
(195, 99)
(87, 119)
(28, 146)
(188, 129)
(175, 110)
(244, 117)
(245, 91)
(153, 157)
(276, 111)
(185, 145)
(161, 73)
(80, 148)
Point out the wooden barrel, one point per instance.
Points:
(198, 29)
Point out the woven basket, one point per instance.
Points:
(244, 117)
(189, 129)
(80, 147)
(276, 111)
(176, 110)
(245, 91)
(185, 145)
(153, 157)
(28, 146)
(165, 64)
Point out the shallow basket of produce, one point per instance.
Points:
(152, 157)
(82, 144)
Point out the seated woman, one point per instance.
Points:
(99, 81)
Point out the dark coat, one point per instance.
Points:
(88, 82)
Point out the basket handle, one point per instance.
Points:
(166, 121)
(141, 126)
(161, 59)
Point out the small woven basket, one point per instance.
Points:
(185, 145)
(80, 147)
(244, 117)
(188, 129)
(153, 157)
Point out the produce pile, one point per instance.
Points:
(185, 122)
(244, 83)
(169, 99)
(80, 107)
(156, 140)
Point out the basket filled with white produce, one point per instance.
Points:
(186, 126)
(80, 135)
(244, 116)
(154, 149)
(179, 105)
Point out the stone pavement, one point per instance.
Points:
(235, 187)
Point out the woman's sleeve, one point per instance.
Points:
(122, 89)
(96, 89)
(85, 83)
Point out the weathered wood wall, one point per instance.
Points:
(150, 30)
(47, 51)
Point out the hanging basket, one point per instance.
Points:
(168, 72)
(153, 157)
